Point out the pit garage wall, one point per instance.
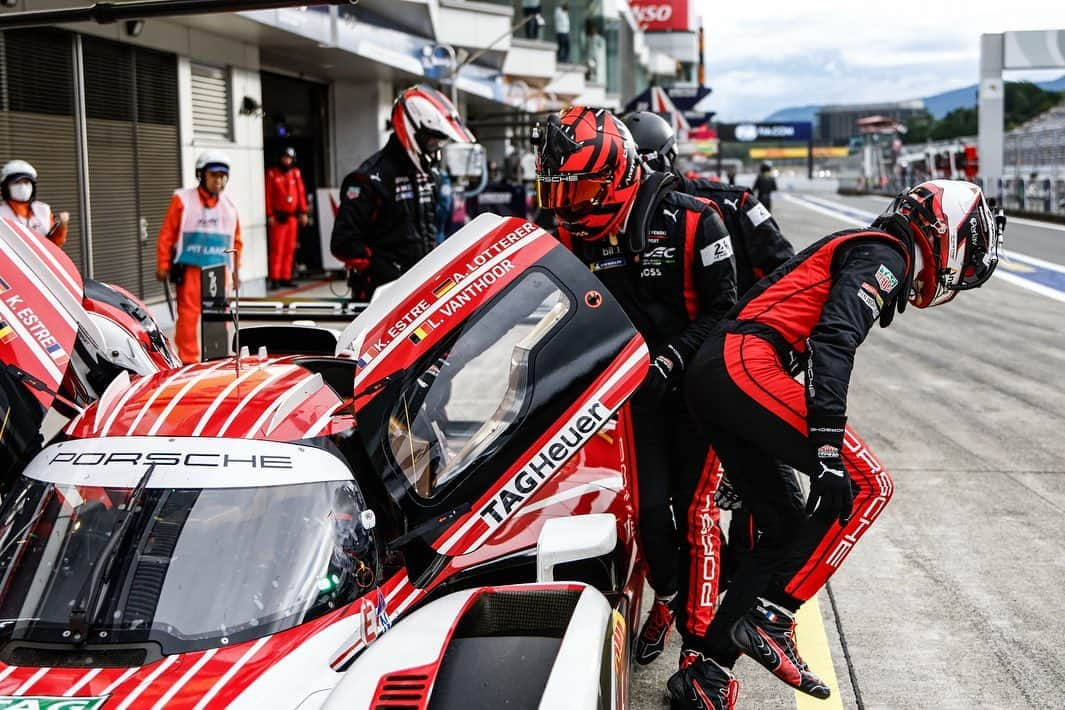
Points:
(247, 179)
(360, 111)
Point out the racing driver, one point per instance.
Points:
(759, 248)
(386, 221)
(667, 258)
(933, 241)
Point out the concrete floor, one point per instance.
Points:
(951, 600)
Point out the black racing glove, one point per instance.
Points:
(665, 371)
(831, 489)
(726, 496)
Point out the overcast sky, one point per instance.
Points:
(770, 54)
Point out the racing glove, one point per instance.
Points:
(831, 489)
(666, 368)
(726, 497)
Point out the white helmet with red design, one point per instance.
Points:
(955, 238)
(424, 121)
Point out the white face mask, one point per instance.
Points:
(21, 191)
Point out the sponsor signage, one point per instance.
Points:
(662, 15)
(820, 151)
(544, 463)
(41, 702)
(120, 461)
(749, 132)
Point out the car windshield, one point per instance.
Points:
(197, 568)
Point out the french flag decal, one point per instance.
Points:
(56, 351)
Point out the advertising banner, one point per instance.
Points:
(662, 15)
(750, 132)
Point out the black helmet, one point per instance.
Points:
(655, 140)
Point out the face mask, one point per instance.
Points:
(21, 191)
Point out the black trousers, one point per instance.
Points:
(677, 476)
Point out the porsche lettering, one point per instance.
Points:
(169, 458)
(546, 461)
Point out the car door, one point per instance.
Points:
(480, 373)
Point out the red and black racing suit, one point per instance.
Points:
(674, 292)
(759, 249)
(814, 311)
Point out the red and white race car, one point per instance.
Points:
(377, 526)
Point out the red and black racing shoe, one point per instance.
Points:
(702, 684)
(766, 633)
(655, 632)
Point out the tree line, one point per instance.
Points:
(1024, 101)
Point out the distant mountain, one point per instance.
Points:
(939, 105)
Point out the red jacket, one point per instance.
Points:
(285, 193)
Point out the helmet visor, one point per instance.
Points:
(983, 236)
(572, 195)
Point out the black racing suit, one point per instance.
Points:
(759, 249)
(764, 186)
(387, 214)
(810, 314)
(756, 239)
(674, 292)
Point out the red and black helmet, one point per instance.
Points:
(424, 121)
(956, 238)
(588, 171)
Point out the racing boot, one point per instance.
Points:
(766, 633)
(655, 632)
(702, 684)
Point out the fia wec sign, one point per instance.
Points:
(662, 15)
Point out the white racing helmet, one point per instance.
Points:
(424, 121)
(956, 238)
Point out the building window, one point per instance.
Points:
(212, 115)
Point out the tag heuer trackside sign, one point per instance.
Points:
(40, 702)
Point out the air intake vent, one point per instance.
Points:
(519, 613)
(65, 657)
(407, 690)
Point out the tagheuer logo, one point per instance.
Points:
(557, 451)
(40, 702)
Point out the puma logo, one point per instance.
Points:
(672, 215)
(731, 203)
(827, 469)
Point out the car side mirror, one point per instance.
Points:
(579, 537)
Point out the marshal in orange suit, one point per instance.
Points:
(200, 226)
